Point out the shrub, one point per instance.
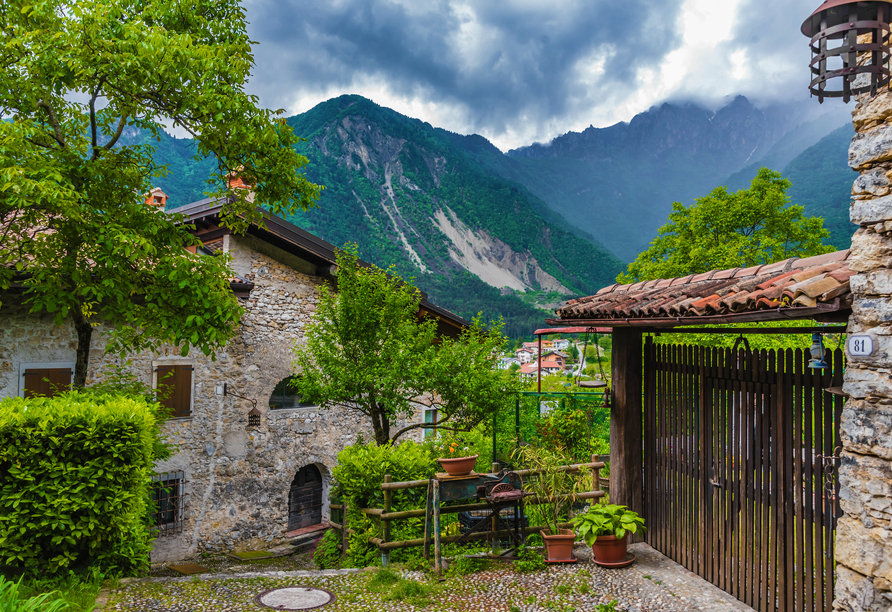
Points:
(327, 555)
(74, 481)
(357, 480)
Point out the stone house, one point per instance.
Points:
(240, 478)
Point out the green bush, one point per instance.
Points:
(357, 480)
(327, 555)
(74, 482)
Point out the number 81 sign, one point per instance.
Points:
(860, 346)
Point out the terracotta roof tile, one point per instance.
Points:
(702, 277)
(724, 274)
(791, 283)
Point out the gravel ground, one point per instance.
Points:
(652, 584)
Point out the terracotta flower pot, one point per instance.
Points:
(559, 546)
(459, 466)
(610, 549)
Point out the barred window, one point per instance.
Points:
(169, 497)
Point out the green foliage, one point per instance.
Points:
(327, 554)
(529, 561)
(357, 479)
(368, 350)
(462, 565)
(606, 520)
(608, 607)
(74, 482)
(726, 230)
(78, 77)
(387, 581)
(77, 590)
(555, 488)
(361, 468)
(757, 342)
(12, 600)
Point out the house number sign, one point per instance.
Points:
(860, 346)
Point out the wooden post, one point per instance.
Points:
(428, 521)
(344, 540)
(626, 420)
(385, 524)
(539, 365)
(438, 560)
(596, 477)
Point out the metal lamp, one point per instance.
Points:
(845, 21)
(817, 353)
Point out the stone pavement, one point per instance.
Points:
(652, 584)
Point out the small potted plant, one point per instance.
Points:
(452, 454)
(606, 527)
(555, 489)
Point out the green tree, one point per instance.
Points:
(726, 230)
(74, 229)
(367, 350)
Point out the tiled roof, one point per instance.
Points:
(793, 288)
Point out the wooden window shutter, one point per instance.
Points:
(179, 395)
(47, 382)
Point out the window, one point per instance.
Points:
(285, 395)
(174, 384)
(430, 416)
(168, 495)
(45, 379)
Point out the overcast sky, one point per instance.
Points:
(520, 71)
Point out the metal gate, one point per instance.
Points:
(305, 499)
(740, 456)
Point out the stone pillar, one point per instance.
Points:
(864, 535)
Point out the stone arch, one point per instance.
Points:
(284, 395)
(308, 497)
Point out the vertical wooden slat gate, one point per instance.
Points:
(739, 469)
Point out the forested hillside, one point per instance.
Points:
(412, 197)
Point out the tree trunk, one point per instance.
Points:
(381, 426)
(84, 336)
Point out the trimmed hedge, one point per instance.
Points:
(74, 481)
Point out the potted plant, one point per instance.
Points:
(605, 527)
(452, 453)
(555, 489)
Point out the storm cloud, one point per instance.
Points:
(517, 71)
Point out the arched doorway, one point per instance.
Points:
(305, 498)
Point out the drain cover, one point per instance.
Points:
(294, 598)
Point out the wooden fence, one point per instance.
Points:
(740, 453)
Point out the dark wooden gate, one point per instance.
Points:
(305, 499)
(739, 470)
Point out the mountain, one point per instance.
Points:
(618, 183)
(822, 182)
(411, 196)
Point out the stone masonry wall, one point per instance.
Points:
(238, 479)
(864, 534)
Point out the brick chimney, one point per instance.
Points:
(235, 180)
(156, 197)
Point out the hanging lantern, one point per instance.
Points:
(817, 353)
(845, 21)
(254, 417)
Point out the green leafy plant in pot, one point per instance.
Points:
(555, 489)
(606, 527)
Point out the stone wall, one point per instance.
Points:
(864, 535)
(237, 479)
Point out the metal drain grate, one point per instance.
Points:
(294, 598)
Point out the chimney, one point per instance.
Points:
(156, 197)
(235, 180)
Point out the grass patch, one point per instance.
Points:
(71, 593)
(393, 588)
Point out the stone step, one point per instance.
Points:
(302, 540)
